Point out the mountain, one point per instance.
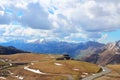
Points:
(56, 47)
(109, 54)
(88, 51)
(10, 50)
(89, 48)
(38, 41)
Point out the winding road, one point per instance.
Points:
(105, 70)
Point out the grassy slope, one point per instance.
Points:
(66, 67)
(28, 57)
(46, 63)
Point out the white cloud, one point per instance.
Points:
(35, 17)
(27, 13)
(88, 15)
(103, 38)
(12, 32)
(60, 19)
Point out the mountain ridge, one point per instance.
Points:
(109, 55)
(10, 50)
(54, 47)
(88, 51)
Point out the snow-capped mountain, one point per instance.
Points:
(38, 41)
(54, 47)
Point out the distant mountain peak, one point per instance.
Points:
(37, 41)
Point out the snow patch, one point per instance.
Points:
(76, 69)
(93, 74)
(39, 41)
(103, 69)
(85, 73)
(2, 78)
(19, 77)
(32, 63)
(83, 76)
(33, 70)
(10, 64)
(58, 64)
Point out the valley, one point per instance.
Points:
(93, 61)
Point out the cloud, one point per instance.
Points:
(30, 14)
(5, 18)
(35, 17)
(17, 32)
(89, 17)
(103, 38)
(62, 20)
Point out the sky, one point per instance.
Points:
(60, 20)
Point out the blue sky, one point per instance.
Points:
(113, 36)
(61, 20)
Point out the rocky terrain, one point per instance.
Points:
(109, 54)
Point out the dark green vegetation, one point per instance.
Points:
(10, 50)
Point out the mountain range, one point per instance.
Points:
(90, 51)
(56, 47)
